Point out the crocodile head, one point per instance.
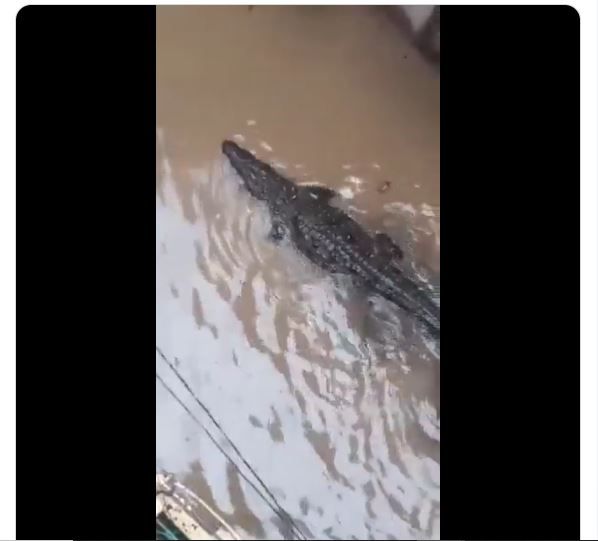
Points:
(262, 181)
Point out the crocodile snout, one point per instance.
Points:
(235, 153)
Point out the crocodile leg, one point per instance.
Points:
(317, 192)
(278, 231)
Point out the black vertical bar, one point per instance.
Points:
(86, 270)
(510, 272)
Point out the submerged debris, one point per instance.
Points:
(384, 186)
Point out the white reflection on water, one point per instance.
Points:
(269, 345)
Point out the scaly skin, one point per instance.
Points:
(330, 238)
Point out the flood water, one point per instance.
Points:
(333, 399)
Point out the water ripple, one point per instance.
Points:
(336, 408)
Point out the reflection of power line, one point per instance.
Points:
(274, 505)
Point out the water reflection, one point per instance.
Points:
(334, 405)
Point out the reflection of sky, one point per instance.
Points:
(236, 381)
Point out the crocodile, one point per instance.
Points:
(330, 238)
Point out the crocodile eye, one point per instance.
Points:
(349, 236)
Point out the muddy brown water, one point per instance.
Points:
(332, 400)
